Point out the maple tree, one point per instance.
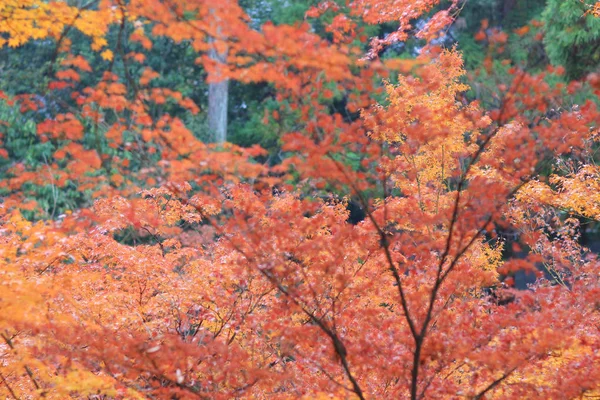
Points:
(196, 271)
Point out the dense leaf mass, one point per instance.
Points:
(374, 249)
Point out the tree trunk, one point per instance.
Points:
(218, 94)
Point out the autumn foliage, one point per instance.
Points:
(214, 274)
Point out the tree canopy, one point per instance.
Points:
(365, 237)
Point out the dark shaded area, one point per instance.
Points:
(357, 214)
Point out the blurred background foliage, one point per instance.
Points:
(539, 34)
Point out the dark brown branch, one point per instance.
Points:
(337, 343)
(37, 386)
(492, 385)
(120, 49)
(10, 390)
(64, 34)
(440, 275)
(385, 245)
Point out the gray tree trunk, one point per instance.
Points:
(218, 95)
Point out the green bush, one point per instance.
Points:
(572, 37)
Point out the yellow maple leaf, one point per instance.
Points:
(107, 55)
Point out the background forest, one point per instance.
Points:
(567, 39)
(299, 199)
